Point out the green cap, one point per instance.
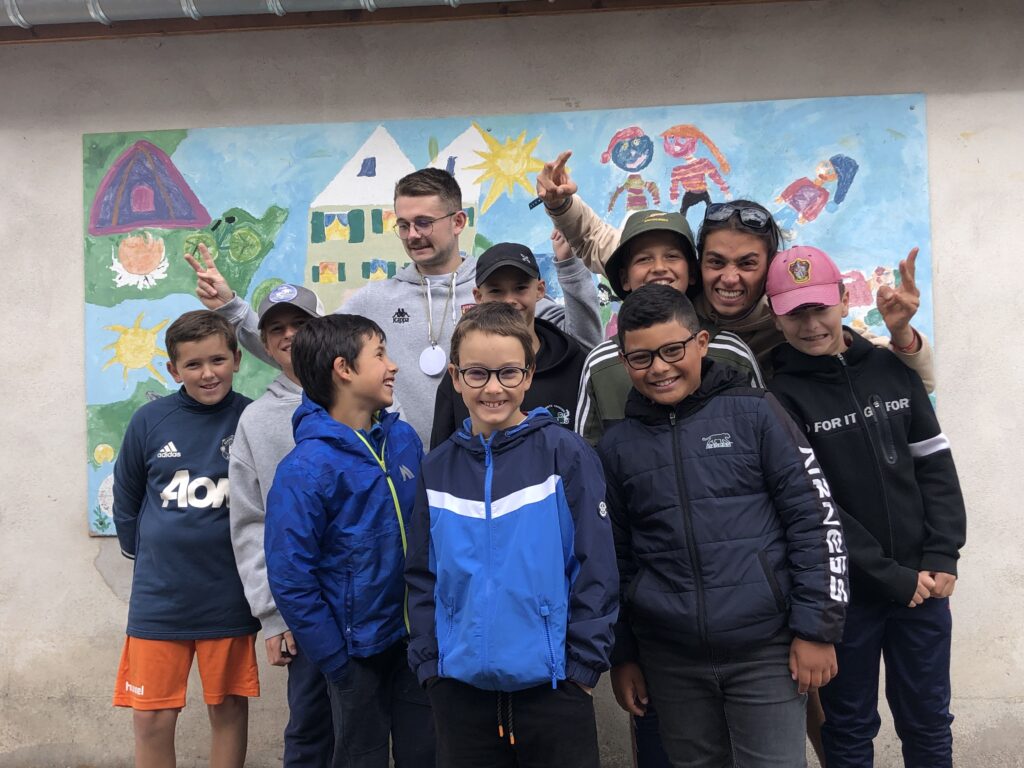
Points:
(638, 224)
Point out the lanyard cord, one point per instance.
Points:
(430, 309)
(398, 511)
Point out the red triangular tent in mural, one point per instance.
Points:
(144, 189)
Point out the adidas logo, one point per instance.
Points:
(169, 451)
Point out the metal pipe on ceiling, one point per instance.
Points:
(30, 13)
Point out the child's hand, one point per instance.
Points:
(925, 585)
(898, 306)
(211, 287)
(945, 583)
(562, 249)
(812, 664)
(630, 688)
(280, 649)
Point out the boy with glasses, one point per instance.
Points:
(731, 559)
(511, 571)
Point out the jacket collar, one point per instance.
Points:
(714, 378)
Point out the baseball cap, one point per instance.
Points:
(638, 224)
(296, 296)
(506, 255)
(802, 275)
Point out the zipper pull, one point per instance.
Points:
(842, 360)
(672, 418)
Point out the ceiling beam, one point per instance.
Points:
(261, 22)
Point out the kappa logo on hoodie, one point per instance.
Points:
(400, 317)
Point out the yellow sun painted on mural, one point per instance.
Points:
(136, 347)
(506, 165)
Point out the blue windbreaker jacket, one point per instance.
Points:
(335, 535)
(511, 567)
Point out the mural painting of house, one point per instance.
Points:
(350, 222)
(462, 152)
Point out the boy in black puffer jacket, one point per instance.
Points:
(869, 418)
(730, 552)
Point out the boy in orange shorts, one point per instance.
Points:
(171, 513)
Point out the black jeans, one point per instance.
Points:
(540, 727)
(378, 698)
(309, 736)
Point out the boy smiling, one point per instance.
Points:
(730, 602)
(511, 567)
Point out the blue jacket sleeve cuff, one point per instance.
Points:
(426, 670)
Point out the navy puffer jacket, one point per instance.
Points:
(725, 532)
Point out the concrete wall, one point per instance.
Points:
(63, 595)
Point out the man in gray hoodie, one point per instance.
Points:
(263, 437)
(419, 307)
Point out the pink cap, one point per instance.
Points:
(802, 275)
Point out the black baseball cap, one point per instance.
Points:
(640, 223)
(293, 295)
(506, 255)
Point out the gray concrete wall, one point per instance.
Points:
(63, 595)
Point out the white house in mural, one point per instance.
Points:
(350, 222)
(454, 158)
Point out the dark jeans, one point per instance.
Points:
(376, 699)
(308, 737)
(915, 644)
(738, 708)
(647, 741)
(540, 727)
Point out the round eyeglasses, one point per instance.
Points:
(478, 376)
(423, 225)
(673, 352)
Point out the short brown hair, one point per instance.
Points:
(431, 181)
(196, 326)
(498, 319)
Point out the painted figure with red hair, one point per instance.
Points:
(691, 177)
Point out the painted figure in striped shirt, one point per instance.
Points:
(681, 141)
(632, 150)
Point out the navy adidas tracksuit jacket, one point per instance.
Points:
(724, 528)
(511, 566)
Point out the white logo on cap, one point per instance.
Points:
(525, 258)
(283, 293)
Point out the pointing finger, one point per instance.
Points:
(908, 269)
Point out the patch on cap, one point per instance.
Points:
(661, 217)
(800, 270)
(283, 292)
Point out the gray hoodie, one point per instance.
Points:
(262, 438)
(399, 307)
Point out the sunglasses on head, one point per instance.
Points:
(755, 218)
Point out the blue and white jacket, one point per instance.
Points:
(511, 565)
(335, 535)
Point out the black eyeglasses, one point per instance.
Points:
(755, 218)
(478, 376)
(422, 225)
(673, 352)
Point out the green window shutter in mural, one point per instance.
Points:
(377, 221)
(356, 225)
(470, 216)
(316, 228)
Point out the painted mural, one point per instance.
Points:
(313, 204)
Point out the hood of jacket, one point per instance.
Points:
(466, 273)
(312, 422)
(756, 327)
(714, 378)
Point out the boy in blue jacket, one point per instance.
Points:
(730, 550)
(511, 567)
(171, 513)
(870, 420)
(335, 541)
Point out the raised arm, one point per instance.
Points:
(215, 293)
(591, 238)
